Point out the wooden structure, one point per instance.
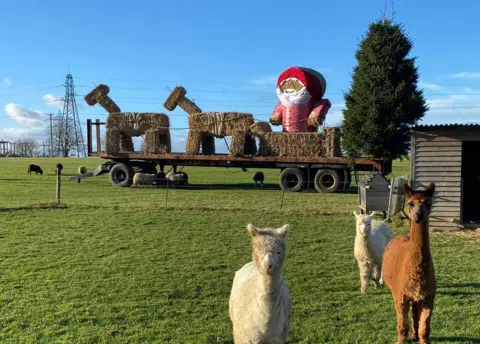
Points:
(373, 192)
(447, 155)
(297, 173)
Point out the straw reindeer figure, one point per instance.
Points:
(408, 269)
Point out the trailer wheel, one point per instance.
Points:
(327, 181)
(121, 175)
(292, 179)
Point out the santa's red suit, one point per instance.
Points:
(301, 107)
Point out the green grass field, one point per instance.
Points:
(125, 265)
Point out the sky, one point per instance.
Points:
(227, 54)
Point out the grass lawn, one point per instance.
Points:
(125, 265)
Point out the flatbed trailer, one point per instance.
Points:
(326, 175)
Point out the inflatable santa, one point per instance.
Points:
(301, 107)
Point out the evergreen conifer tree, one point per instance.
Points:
(383, 101)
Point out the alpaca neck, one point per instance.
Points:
(269, 286)
(419, 237)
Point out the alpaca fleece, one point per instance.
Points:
(408, 269)
(260, 307)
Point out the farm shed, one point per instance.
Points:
(447, 155)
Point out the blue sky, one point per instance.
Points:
(227, 54)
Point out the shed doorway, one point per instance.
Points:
(471, 182)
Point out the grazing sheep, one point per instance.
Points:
(260, 307)
(82, 169)
(34, 168)
(409, 271)
(59, 167)
(143, 179)
(370, 243)
(259, 178)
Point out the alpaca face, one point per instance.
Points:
(364, 223)
(268, 248)
(419, 202)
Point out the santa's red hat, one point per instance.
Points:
(313, 80)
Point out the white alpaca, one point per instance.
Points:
(370, 242)
(260, 306)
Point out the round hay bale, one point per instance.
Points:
(82, 170)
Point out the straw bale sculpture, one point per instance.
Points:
(206, 126)
(324, 144)
(122, 126)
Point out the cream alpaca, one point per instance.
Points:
(260, 306)
(369, 247)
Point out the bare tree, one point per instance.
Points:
(27, 147)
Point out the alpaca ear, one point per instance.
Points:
(252, 230)
(407, 190)
(356, 214)
(430, 189)
(283, 231)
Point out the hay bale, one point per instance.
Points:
(208, 144)
(177, 97)
(237, 143)
(130, 124)
(220, 124)
(194, 140)
(261, 127)
(157, 141)
(82, 169)
(112, 141)
(292, 144)
(332, 142)
(100, 95)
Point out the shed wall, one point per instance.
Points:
(438, 158)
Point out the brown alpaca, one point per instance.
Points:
(408, 269)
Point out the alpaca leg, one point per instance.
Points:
(364, 276)
(415, 309)
(402, 321)
(425, 315)
(377, 272)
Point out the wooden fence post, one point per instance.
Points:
(59, 175)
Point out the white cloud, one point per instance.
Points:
(7, 82)
(31, 123)
(428, 85)
(454, 108)
(466, 75)
(53, 101)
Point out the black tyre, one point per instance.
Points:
(292, 179)
(121, 175)
(327, 181)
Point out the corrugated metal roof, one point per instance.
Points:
(446, 126)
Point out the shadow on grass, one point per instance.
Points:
(246, 186)
(36, 206)
(456, 339)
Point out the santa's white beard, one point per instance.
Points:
(291, 97)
